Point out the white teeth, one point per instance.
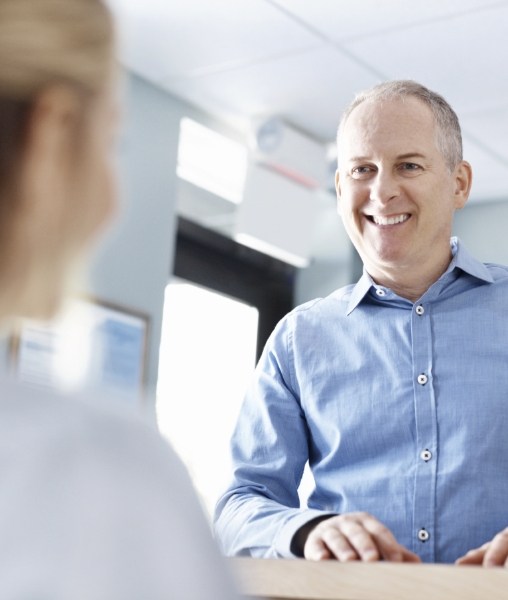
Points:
(390, 220)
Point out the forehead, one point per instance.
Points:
(399, 125)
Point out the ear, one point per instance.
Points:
(337, 188)
(463, 177)
(49, 147)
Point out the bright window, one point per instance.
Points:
(207, 357)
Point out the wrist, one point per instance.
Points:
(300, 536)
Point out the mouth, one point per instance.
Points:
(390, 220)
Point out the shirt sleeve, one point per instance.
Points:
(260, 512)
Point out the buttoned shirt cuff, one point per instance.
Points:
(291, 527)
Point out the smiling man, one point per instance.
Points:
(398, 191)
(395, 389)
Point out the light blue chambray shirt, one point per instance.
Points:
(401, 410)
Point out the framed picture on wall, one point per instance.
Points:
(93, 345)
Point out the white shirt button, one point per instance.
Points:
(380, 292)
(419, 310)
(426, 455)
(423, 535)
(422, 379)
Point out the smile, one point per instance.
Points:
(392, 220)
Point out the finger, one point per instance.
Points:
(315, 549)
(386, 544)
(340, 545)
(473, 557)
(497, 551)
(408, 556)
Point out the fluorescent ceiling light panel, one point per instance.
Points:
(211, 161)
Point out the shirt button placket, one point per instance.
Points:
(426, 431)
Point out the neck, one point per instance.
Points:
(406, 282)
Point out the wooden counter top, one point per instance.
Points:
(278, 579)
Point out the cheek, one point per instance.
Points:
(97, 198)
(351, 223)
(350, 206)
(102, 180)
(109, 190)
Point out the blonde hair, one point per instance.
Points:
(51, 41)
(42, 43)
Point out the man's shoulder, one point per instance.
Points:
(499, 272)
(335, 303)
(487, 271)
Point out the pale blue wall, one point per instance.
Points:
(483, 227)
(132, 265)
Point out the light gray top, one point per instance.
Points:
(94, 505)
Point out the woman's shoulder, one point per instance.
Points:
(43, 422)
(83, 475)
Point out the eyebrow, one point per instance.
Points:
(399, 157)
(411, 155)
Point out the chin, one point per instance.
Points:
(43, 299)
(41, 309)
(389, 254)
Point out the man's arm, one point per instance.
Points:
(260, 512)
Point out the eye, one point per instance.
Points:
(410, 167)
(362, 171)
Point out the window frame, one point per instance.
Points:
(210, 259)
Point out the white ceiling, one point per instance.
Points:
(304, 60)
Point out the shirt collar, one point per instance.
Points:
(359, 291)
(467, 263)
(461, 259)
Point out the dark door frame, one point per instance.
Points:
(215, 261)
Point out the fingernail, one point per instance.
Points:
(370, 555)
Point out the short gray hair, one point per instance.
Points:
(449, 136)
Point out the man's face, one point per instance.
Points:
(396, 193)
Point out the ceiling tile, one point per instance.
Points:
(351, 18)
(166, 40)
(490, 128)
(460, 58)
(308, 89)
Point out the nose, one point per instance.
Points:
(384, 187)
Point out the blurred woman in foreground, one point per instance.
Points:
(92, 505)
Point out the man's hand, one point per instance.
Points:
(491, 554)
(355, 536)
